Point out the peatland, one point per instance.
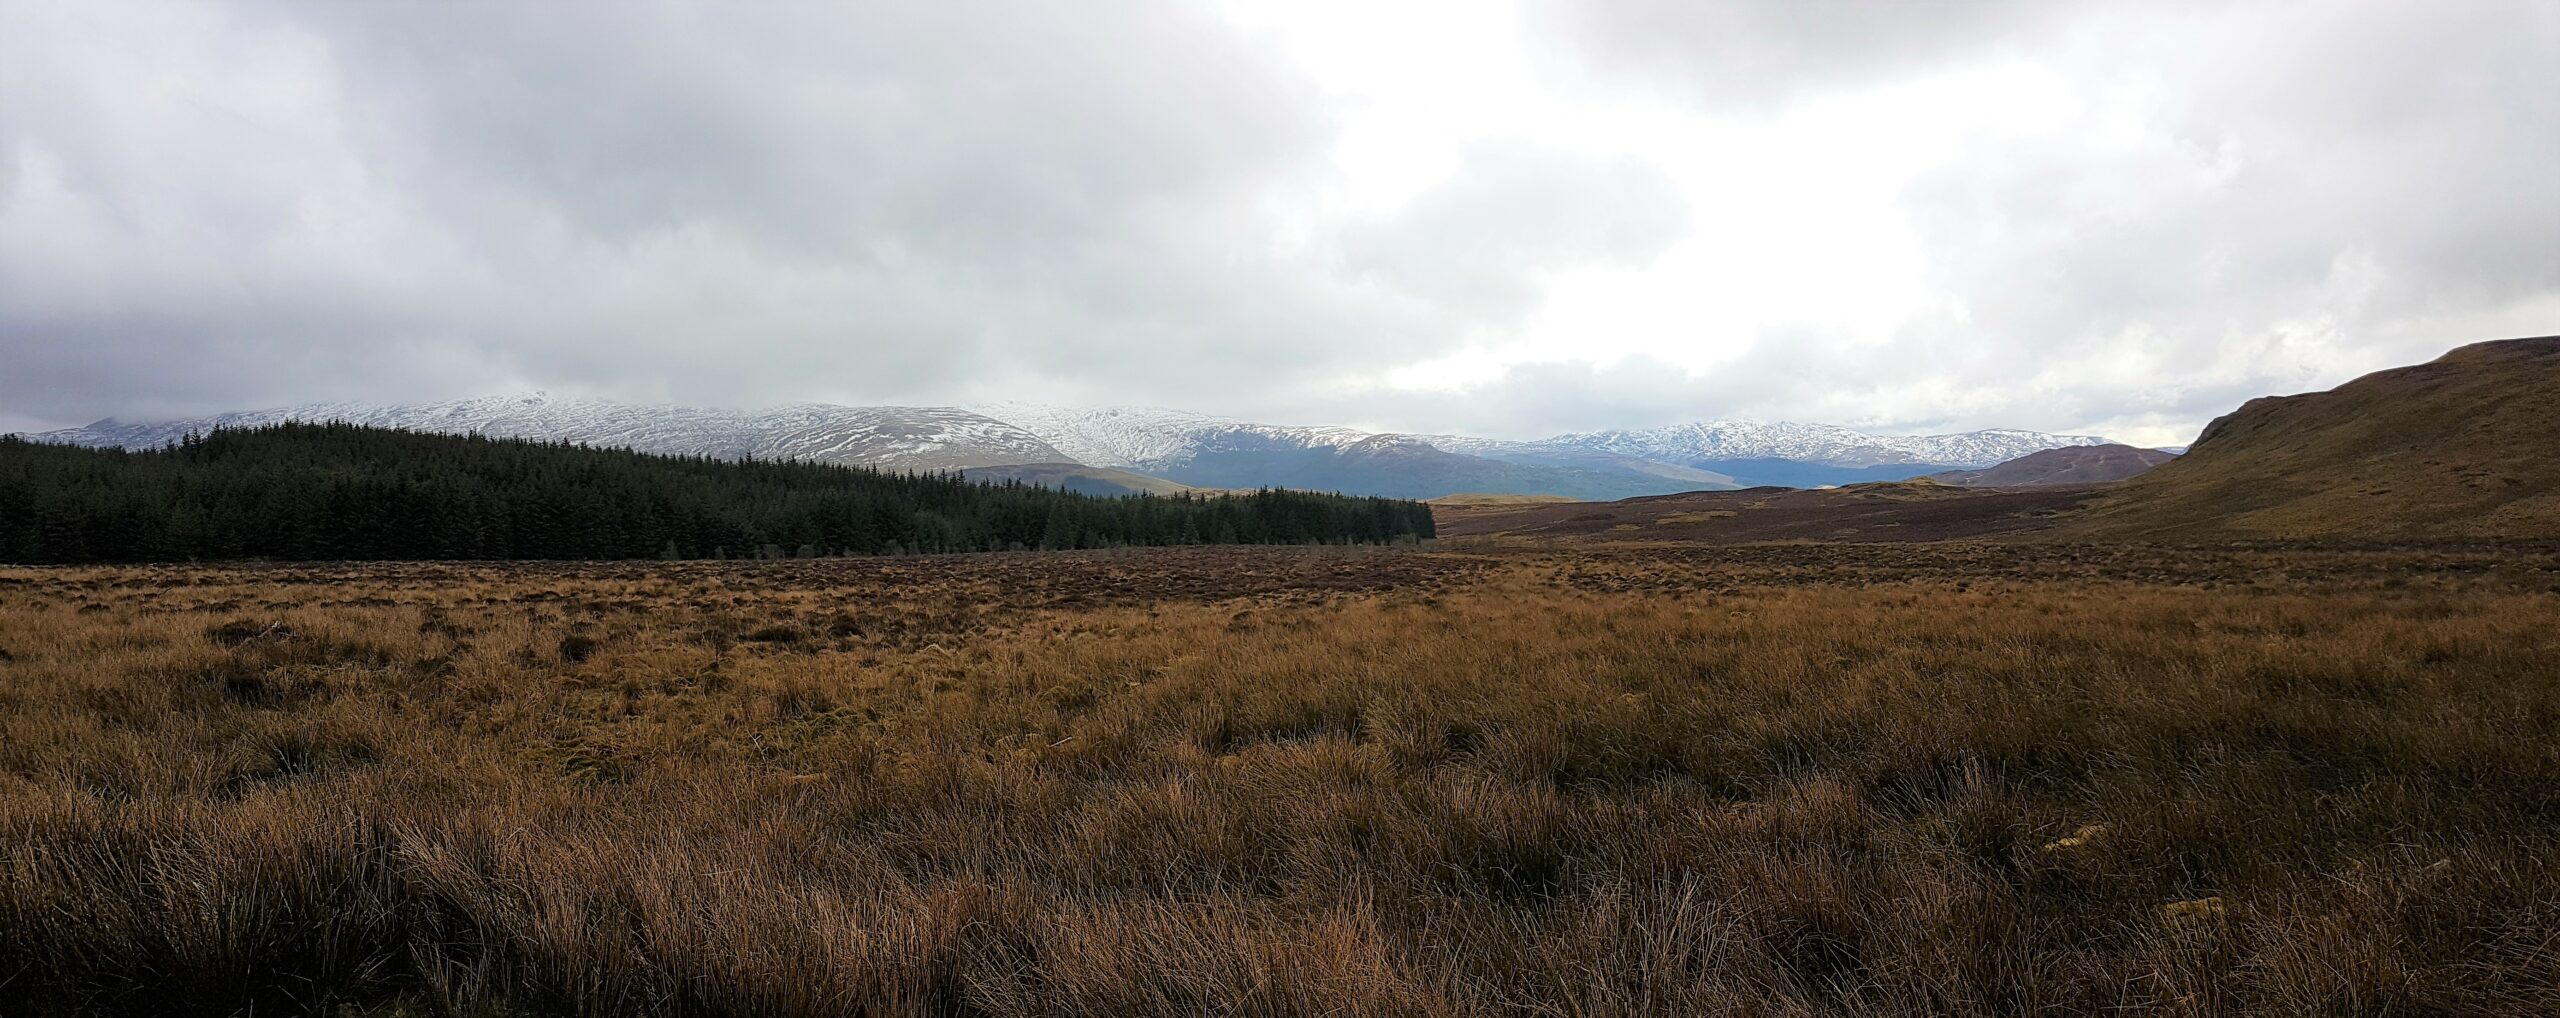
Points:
(1816, 779)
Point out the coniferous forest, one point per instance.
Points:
(337, 491)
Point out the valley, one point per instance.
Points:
(1530, 509)
(1998, 743)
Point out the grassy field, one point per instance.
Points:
(1768, 780)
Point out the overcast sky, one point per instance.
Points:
(1510, 220)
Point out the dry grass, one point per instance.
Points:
(1763, 782)
(1484, 499)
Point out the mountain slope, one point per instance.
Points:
(1078, 478)
(1708, 443)
(1183, 447)
(895, 438)
(1395, 466)
(1218, 452)
(1716, 455)
(2079, 464)
(1150, 439)
(1549, 453)
(2463, 446)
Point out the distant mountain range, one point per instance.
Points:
(2460, 447)
(903, 438)
(1132, 449)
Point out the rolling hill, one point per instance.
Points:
(2467, 445)
(2081, 464)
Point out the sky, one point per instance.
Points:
(1509, 219)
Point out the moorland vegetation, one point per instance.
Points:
(1952, 779)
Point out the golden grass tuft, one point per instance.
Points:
(1775, 780)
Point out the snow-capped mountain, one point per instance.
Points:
(1182, 446)
(901, 438)
(1722, 441)
(1553, 453)
(1151, 439)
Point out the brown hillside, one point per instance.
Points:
(1479, 498)
(2464, 446)
(1918, 510)
(2079, 464)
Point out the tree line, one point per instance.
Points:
(343, 491)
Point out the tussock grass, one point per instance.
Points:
(1523, 782)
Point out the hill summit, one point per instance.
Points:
(2462, 446)
(2075, 464)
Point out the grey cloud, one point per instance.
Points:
(1759, 54)
(985, 129)
(878, 201)
(2379, 170)
(1481, 238)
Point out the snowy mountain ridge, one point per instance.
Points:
(900, 438)
(1731, 439)
(1150, 438)
(1193, 448)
